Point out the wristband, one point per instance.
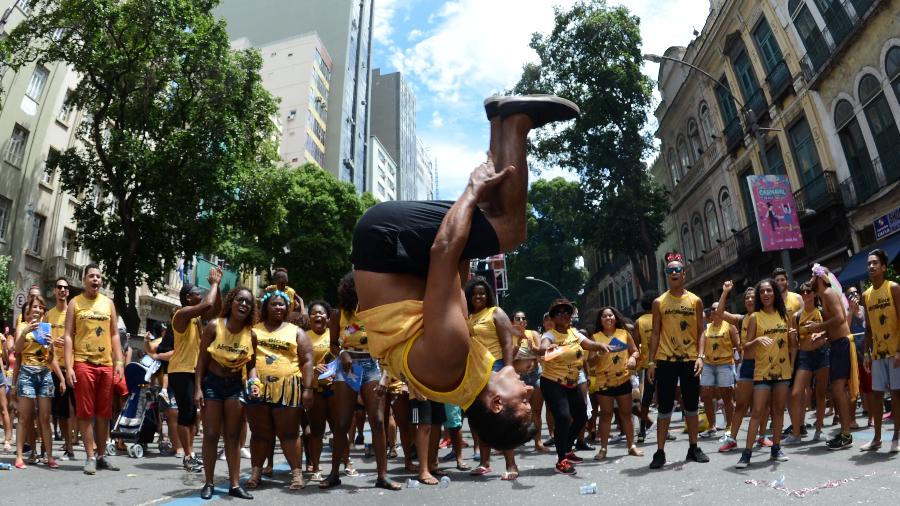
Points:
(119, 362)
(651, 363)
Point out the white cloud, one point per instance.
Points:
(382, 21)
(414, 35)
(437, 121)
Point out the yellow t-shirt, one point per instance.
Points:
(353, 333)
(57, 321)
(678, 337)
(793, 302)
(880, 305)
(393, 329)
(483, 330)
(92, 342)
(525, 351)
(231, 351)
(186, 347)
(745, 324)
(277, 364)
(773, 362)
(612, 368)
(35, 354)
(644, 327)
(807, 316)
(563, 368)
(718, 346)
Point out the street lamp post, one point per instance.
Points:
(755, 129)
(532, 278)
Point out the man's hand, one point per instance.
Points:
(485, 177)
(727, 286)
(215, 275)
(651, 373)
(764, 341)
(118, 372)
(198, 397)
(70, 377)
(814, 326)
(307, 398)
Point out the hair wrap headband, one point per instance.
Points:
(277, 293)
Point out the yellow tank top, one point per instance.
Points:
(186, 347)
(321, 348)
(277, 364)
(745, 324)
(35, 354)
(678, 337)
(773, 362)
(231, 351)
(793, 302)
(92, 338)
(353, 333)
(393, 329)
(57, 321)
(718, 347)
(644, 327)
(880, 305)
(612, 368)
(483, 330)
(563, 368)
(808, 316)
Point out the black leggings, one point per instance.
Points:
(569, 414)
(668, 376)
(649, 390)
(182, 384)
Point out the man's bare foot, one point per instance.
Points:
(428, 479)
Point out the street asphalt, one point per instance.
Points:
(813, 475)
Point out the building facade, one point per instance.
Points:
(382, 172)
(394, 123)
(345, 28)
(425, 169)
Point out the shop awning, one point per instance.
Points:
(856, 270)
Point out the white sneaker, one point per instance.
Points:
(245, 453)
(709, 433)
(791, 440)
(871, 446)
(818, 436)
(221, 454)
(895, 446)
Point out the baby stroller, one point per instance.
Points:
(137, 423)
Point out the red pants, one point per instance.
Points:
(93, 390)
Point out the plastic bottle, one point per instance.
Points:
(445, 482)
(588, 489)
(411, 483)
(5, 466)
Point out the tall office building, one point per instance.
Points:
(382, 172)
(424, 172)
(345, 27)
(394, 123)
(297, 70)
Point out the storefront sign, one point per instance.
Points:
(887, 224)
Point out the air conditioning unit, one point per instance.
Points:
(291, 115)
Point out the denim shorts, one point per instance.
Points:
(35, 382)
(369, 367)
(746, 371)
(885, 377)
(498, 364)
(721, 375)
(222, 388)
(814, 360)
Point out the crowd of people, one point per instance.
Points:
(414, 345)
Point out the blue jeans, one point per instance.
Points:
(35, 382)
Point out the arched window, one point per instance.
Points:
(686, 242)
(674, 169)
(883, 126)
(706, 121)
(726, 206)
(854, 146)
(699, 243)
(712, 223)
(683, 155)
(694, 138)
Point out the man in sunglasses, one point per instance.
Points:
(63, 407)
(676, 356)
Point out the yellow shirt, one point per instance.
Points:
(353, 333)
(745, 324)
(277, 364)
(772, 362)
(612, 368)
(321, 348)
(793, 302)
(483, 330)
(393, 329)
(718, 347)
(186, 347)
(91, 341)
(644, 327)
(231, 351)
(563, 368)
(880, 305)
(34, 353)
(57, 321)
(807, 316)
(678, 337)
(525, 351)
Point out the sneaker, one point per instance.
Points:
(709, 433)
(642, 435)
(744, 460)
(106, 463)
(764, 442)
(840, 442)
(90, 466)
(871, 446)
(788, 430)
(671, 437)
(696, 454)
(659, 459)
(728, 445)
(550, 442)
(791, 440)
(449, 457)
(245, 453)
(192, 464)
(584, 447)
(565, 467)
(778, 454)
(818, 436)
(573, 459)
(64, 457)
(618, 438)
(895, 446)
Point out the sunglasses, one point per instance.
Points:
(674, 270)
(62, 287)
(243, 300)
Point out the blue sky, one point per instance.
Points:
(456, 52)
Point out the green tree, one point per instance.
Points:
(175, 122)
(593, 57)
(7, 289)
(550, 252)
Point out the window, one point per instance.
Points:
(806, 157)
(836, 19)
(36, 85)
(816, 49)
(767, 45)
(706, 120)
(5, 211)
(673, 167)
(15, 148)
(753, 97)
(68, 245)
(65, 112)
(712, 223)
(774, 160)
(694, 138)
(683, 154)
(686, 242)
(745, 195)
(855, 151)
(881, 122)
(726, 206)
(37, 233)
(699, 242)
(47, 174)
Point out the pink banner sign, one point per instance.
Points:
(776, 213)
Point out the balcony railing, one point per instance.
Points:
(734, 134)
(61, 266)
(714, 261)
(841, 23)
(779, 80)
(861, 185)
(818, 194)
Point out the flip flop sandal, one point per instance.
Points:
(509, 476)
(429, 481)
(438, 472)
(350, 471)
(316, 476)
(254, 479)
(462, 466)
(480, 471)
(387, 484)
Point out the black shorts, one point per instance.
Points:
(181, 384)
(62, 401)
(426, 412)
(840, 359)
(623, 389)
(396, 236)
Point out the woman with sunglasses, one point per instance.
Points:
(563, 350)
(813, 361)
(767, 332)
(226, 353)
(490, 326)
(613, 373)
(529, 368)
